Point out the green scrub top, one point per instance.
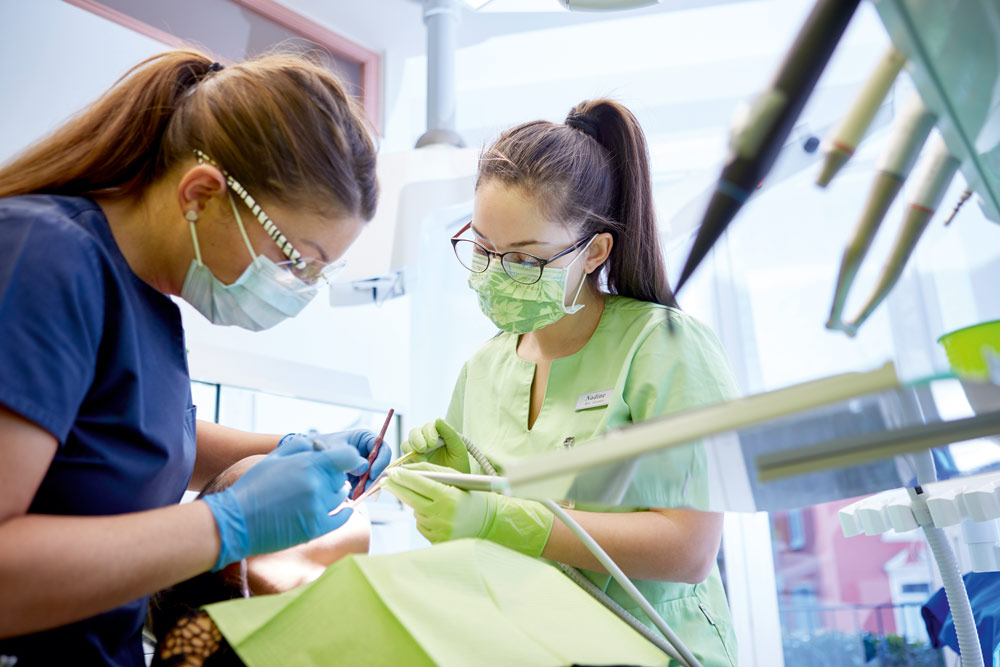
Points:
(649, 372)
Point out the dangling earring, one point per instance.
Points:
(192, 215)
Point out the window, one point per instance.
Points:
(796, 530)
(206, 397)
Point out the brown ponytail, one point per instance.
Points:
(285, 127)
(591, 173)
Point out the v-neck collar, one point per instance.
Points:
(516, 338)
(531, 367)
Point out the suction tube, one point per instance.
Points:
(958, 598)
(954, 587)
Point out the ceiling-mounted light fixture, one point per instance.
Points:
(605, 5)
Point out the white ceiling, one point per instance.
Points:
(396, 25)
(683, 67)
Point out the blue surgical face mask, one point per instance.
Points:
(262, 296)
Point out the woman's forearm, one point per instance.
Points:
(55, 569)
(658, 545)
(220, 446)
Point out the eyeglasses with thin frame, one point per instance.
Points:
(306, 269)
(522, 267)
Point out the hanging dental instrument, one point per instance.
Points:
(844, 140)
(964, 197)
(937, 172)
(757, 141)
(908, 137)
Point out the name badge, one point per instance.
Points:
(594, 399)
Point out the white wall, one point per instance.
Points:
(58, 58)
(372, 342)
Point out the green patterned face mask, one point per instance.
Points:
(519, 308)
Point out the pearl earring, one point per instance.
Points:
(191, 215)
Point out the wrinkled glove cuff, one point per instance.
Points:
(233, 534)
(521, 525)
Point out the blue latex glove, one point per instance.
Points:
(284, 500)
(363, 441)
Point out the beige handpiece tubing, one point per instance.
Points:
(842, 142)
(908, 136)
(937, 170)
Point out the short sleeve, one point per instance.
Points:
(51, 317)
(679, 370)
(672, 372)
(456, 409)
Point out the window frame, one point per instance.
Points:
(367, 60)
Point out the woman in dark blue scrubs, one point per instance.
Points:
(151, 193)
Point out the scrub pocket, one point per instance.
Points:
(190, 444)
(190, 424)
(701, 632)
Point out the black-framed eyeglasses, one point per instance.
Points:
(522, 267)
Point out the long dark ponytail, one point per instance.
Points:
(591, 173)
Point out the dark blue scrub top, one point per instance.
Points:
(96, 357)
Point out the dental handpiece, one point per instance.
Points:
(469, 482)
(908, 137)
(755, 146)
(466, 481)
(842, 142)
(937, 170)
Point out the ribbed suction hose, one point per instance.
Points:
(954, 587)
(958, 598)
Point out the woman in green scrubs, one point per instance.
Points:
(562, 250)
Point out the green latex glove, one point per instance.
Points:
(444, 512)
(424, 441)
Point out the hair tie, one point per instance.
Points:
(585, 123)
(216, 67)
